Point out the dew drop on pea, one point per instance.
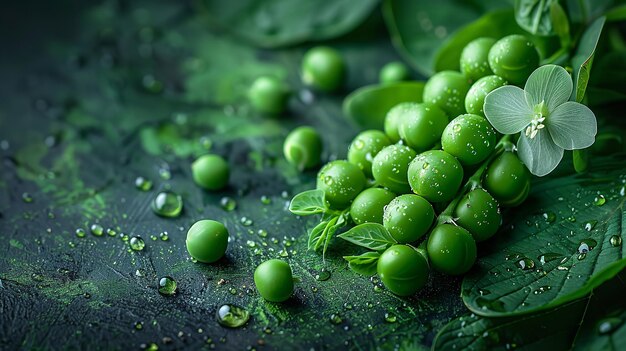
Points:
(96, 229)
(167, 286)
(228, 204)
(615, 240)
(143, 184)
(136, 243)
(167, 204)
(599, 200)
(232, 316)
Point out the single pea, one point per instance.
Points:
(514, 58)
(390, 165)
(469, 138)
(207, 240)
(508, 180)
(364, 147)
(323, 68)
(451, 249)
(447, 90)
(422, 125)
(435, 175)
(408, 217)
(475, 98)
(475, 58)
(303, 148)
(393, 118)
(274, 280)
(210, 172)
(369, 205)
(403, 270)
(394, 72)
(341, 181)
(479, 213)
(269, 95)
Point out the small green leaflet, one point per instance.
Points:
(371, 236)
(364, 264)
(308, 203)
(557, 254)
(534, 16)
(315, 235)
(581, 62)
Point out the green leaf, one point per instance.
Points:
(581, 62)
(331, 229)
(607, 83)
(573, 325)
(364, 264)
(534, 16)
(580, 158)
(308, 202)
(560, 23)
(278, 23)
(371, 236)
(536, 262)
(368, 106)
(316, 235)
(616, 14)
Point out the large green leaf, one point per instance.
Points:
(581, 62)
(607, 83)
(540, 261)
(284, 22)
(368, 106)
(590, 323)
(534, 16)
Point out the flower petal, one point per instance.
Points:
(550, 84)
(506, 109)
(540, 154)
(572, 126)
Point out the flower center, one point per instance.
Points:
(536, 124)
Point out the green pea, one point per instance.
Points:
(475, 58)
(479, 213)
(364, 147)
(475, 98)
(341, 181)
(408, 217)
(269, 95)
(447, 90)
(393, 119)
(369, 205)
(390, 165)
(469, 138)
(394, 72)
(210, 172)
(451, 249)
(207, 240)
(422, 125)
(323, 68)
(508, 180)
(514, 58)
(403, 270)
(274, 280)
(303, 148)
(435, 175)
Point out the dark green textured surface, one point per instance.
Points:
(78, 125)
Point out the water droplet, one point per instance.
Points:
(359, 144)
(608, 325)
(347, 306)
(328, 180)
(138, 325)
(335, 318)
(167, 204)
(232, 316)
(164, 172)
(143, 184)
(164, 236)
(323, 275)
(167, 286)
(456, 128)
(615, 240)
(250, 243)
(599, 200)
(484, 292)
(111, 232)
(549, 216)
(589, 225)
(542, 289)
(80, 232)
(266, 200)
(526, 263)
(27, 198)
(513, 256)
(586, 245)
(246, 221)
(228, 204)
(96, 229)
(425, 165)
(136, 243)
(547, 257)
(390, 318)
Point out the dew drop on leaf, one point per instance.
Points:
(616, 240)
(599, 200)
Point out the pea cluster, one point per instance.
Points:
(437, 175)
